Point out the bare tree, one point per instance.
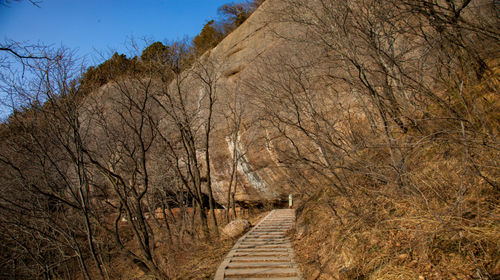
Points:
(370, 95)
(190, 112)
(207, 71)
(123, 121)
(50, 148)
(35, 3)
(233, 118)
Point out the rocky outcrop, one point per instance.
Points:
(235, 228)
(235, 62)
(237, 56)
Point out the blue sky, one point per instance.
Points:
(97, 28)
(104, 25)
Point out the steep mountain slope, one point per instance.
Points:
(232, 65)
(383, 118)
(380, 117)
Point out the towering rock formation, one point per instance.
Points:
(238, 137)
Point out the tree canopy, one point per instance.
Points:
(118, 65)
(157, 52)
(208, 38)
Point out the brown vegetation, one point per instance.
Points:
(385, 114)
(78, 163)
(382, 117)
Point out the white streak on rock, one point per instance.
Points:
(244, 167)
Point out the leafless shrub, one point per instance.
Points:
(382, 112)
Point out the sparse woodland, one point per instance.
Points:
(94, 163)
(386, 114)
(383, 114)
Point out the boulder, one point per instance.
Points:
(235, 228)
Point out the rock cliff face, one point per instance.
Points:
(238, 141)
(298, 88)
(236, 58)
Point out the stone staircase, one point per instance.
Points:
(264, 252)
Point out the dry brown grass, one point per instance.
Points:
(447, 227)
(442, 221)
(405, 243)
(199, 261)
(195, 259)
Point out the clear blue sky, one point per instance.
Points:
(104, 25)
(101, 26)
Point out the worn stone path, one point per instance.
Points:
(264, 252)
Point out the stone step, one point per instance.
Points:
(239, 265)
(260, 254)
(267, 238)
(270, 250)
(273, 237)
(270, 258)
(258, 246)
(263, 242)
(268, 278)
(272, 229)
(279, 233)
(275, 225)
(243, 260)
(266, 233)
(273, 234)
(265, 252)
(254, 254)
(270, 241)
(282, 227)
(261, 272)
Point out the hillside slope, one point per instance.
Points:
(381, 118)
